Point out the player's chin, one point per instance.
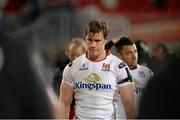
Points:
(95, 53)
(133, 64)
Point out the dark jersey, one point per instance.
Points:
(22, 94)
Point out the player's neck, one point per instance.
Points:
(133, 67)
(98, 58)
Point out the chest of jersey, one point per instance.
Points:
(140, 77)
(95, 76)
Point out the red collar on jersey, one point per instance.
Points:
(108, 52)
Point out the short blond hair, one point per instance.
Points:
(76, 43)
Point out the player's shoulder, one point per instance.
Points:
(142, 67)
(80, 58)
(77, 61)
(117, 62)
(113, 58)
(145, 68)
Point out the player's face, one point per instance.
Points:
(95, 44)
(129, 55)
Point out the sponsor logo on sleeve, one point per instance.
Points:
(121, 65)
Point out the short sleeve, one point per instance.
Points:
(151, 73)
(124, 76)
(67, 76)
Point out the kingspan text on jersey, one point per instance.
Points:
(91, 86)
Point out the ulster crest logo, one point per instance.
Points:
(106, 67)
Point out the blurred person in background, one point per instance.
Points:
(75, 48)
(23, 93)
(96, 79)
(160, 58)
(143, 52)
(126, 50)
(160, 99)
(160, 52)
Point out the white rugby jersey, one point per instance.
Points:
(96, 86)
(140, 76)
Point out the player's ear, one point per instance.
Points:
(119, 55)
(106, 39)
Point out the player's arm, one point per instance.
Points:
(128, 100)
(126, 90)
(66, 95)
(112, 42)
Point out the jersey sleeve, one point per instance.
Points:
(67, 76)
(151, 73)
(124, 76)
